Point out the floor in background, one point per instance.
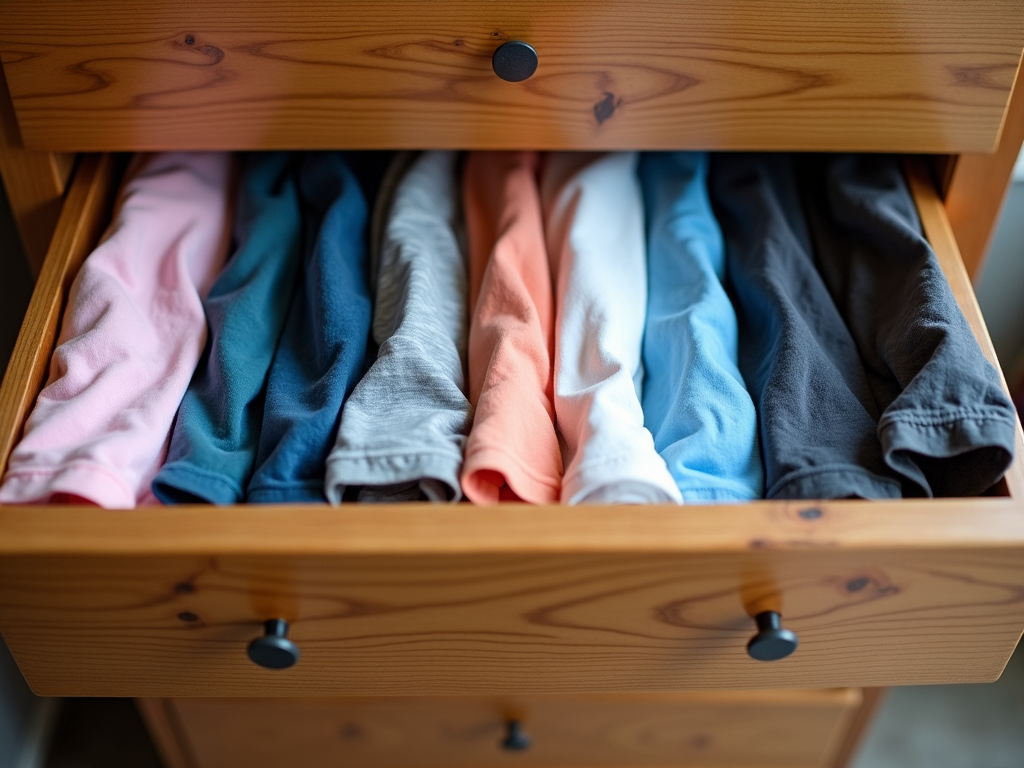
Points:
(950, 726)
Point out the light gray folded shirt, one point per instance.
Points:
(404, 428)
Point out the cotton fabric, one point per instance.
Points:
(946, 425)
(323, 348)
(213, 445)
(817, 412)
(695, 400)
(594, 225)
(512, 453)
(404, 429)
(130, 339)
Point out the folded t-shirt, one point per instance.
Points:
(695, 399)
(215, 436)
(131, 337)
(404, 428)
(594, 225)
(512, 453)
(946, 425)
(816, 409)
(323, 348)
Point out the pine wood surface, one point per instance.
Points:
(791, 729)
(892, 75)
(34, 182)
(978, 186)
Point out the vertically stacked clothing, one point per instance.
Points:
(695, 399)
(867, 378)
(594, 227)
(130, 339)
(403, 430)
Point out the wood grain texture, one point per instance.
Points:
(894, 75)
(82, 219)
(794, 730)
(511, 623)
(979, 184)
(35, 183)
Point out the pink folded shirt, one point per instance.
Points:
(131, 337)
(512, 452)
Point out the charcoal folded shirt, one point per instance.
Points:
(403, 430)
(323, 348)
(594, 228)
(213, 446)
(946, 426)
(130, 339)
(695, 400)
(817, 412)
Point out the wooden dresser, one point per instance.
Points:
(467, 636)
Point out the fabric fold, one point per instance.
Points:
(512, 452)
(131, 337)
(816, 408)
(946, 425)
(695, 400)
(404, 428)
(594, 227)
(213, 445)
(323, 348)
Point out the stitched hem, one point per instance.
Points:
(91, 481)
(176, 480)
(834, 482)
(392, 469)
(525, 483)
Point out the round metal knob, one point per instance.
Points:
(274, 650)
(771, 642)
(514, 61)
(516, 740)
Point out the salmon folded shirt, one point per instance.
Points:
(512, 452)
(594, 222)
(130, 340)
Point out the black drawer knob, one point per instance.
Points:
(274, 650)
(771, 642)
(514, 61)
(516, 739)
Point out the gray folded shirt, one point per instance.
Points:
(404, 428)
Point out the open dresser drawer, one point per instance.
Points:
(441, 600)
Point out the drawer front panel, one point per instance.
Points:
(795, 730)
(759, 74)
(453, 624)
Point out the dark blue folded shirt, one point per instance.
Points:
(323, 350)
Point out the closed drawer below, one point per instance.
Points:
(794, 729)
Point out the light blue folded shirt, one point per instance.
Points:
(695, 401)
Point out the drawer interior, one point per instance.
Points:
(411, 599)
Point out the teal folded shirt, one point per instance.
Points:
(695, 400)
(213, 445)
